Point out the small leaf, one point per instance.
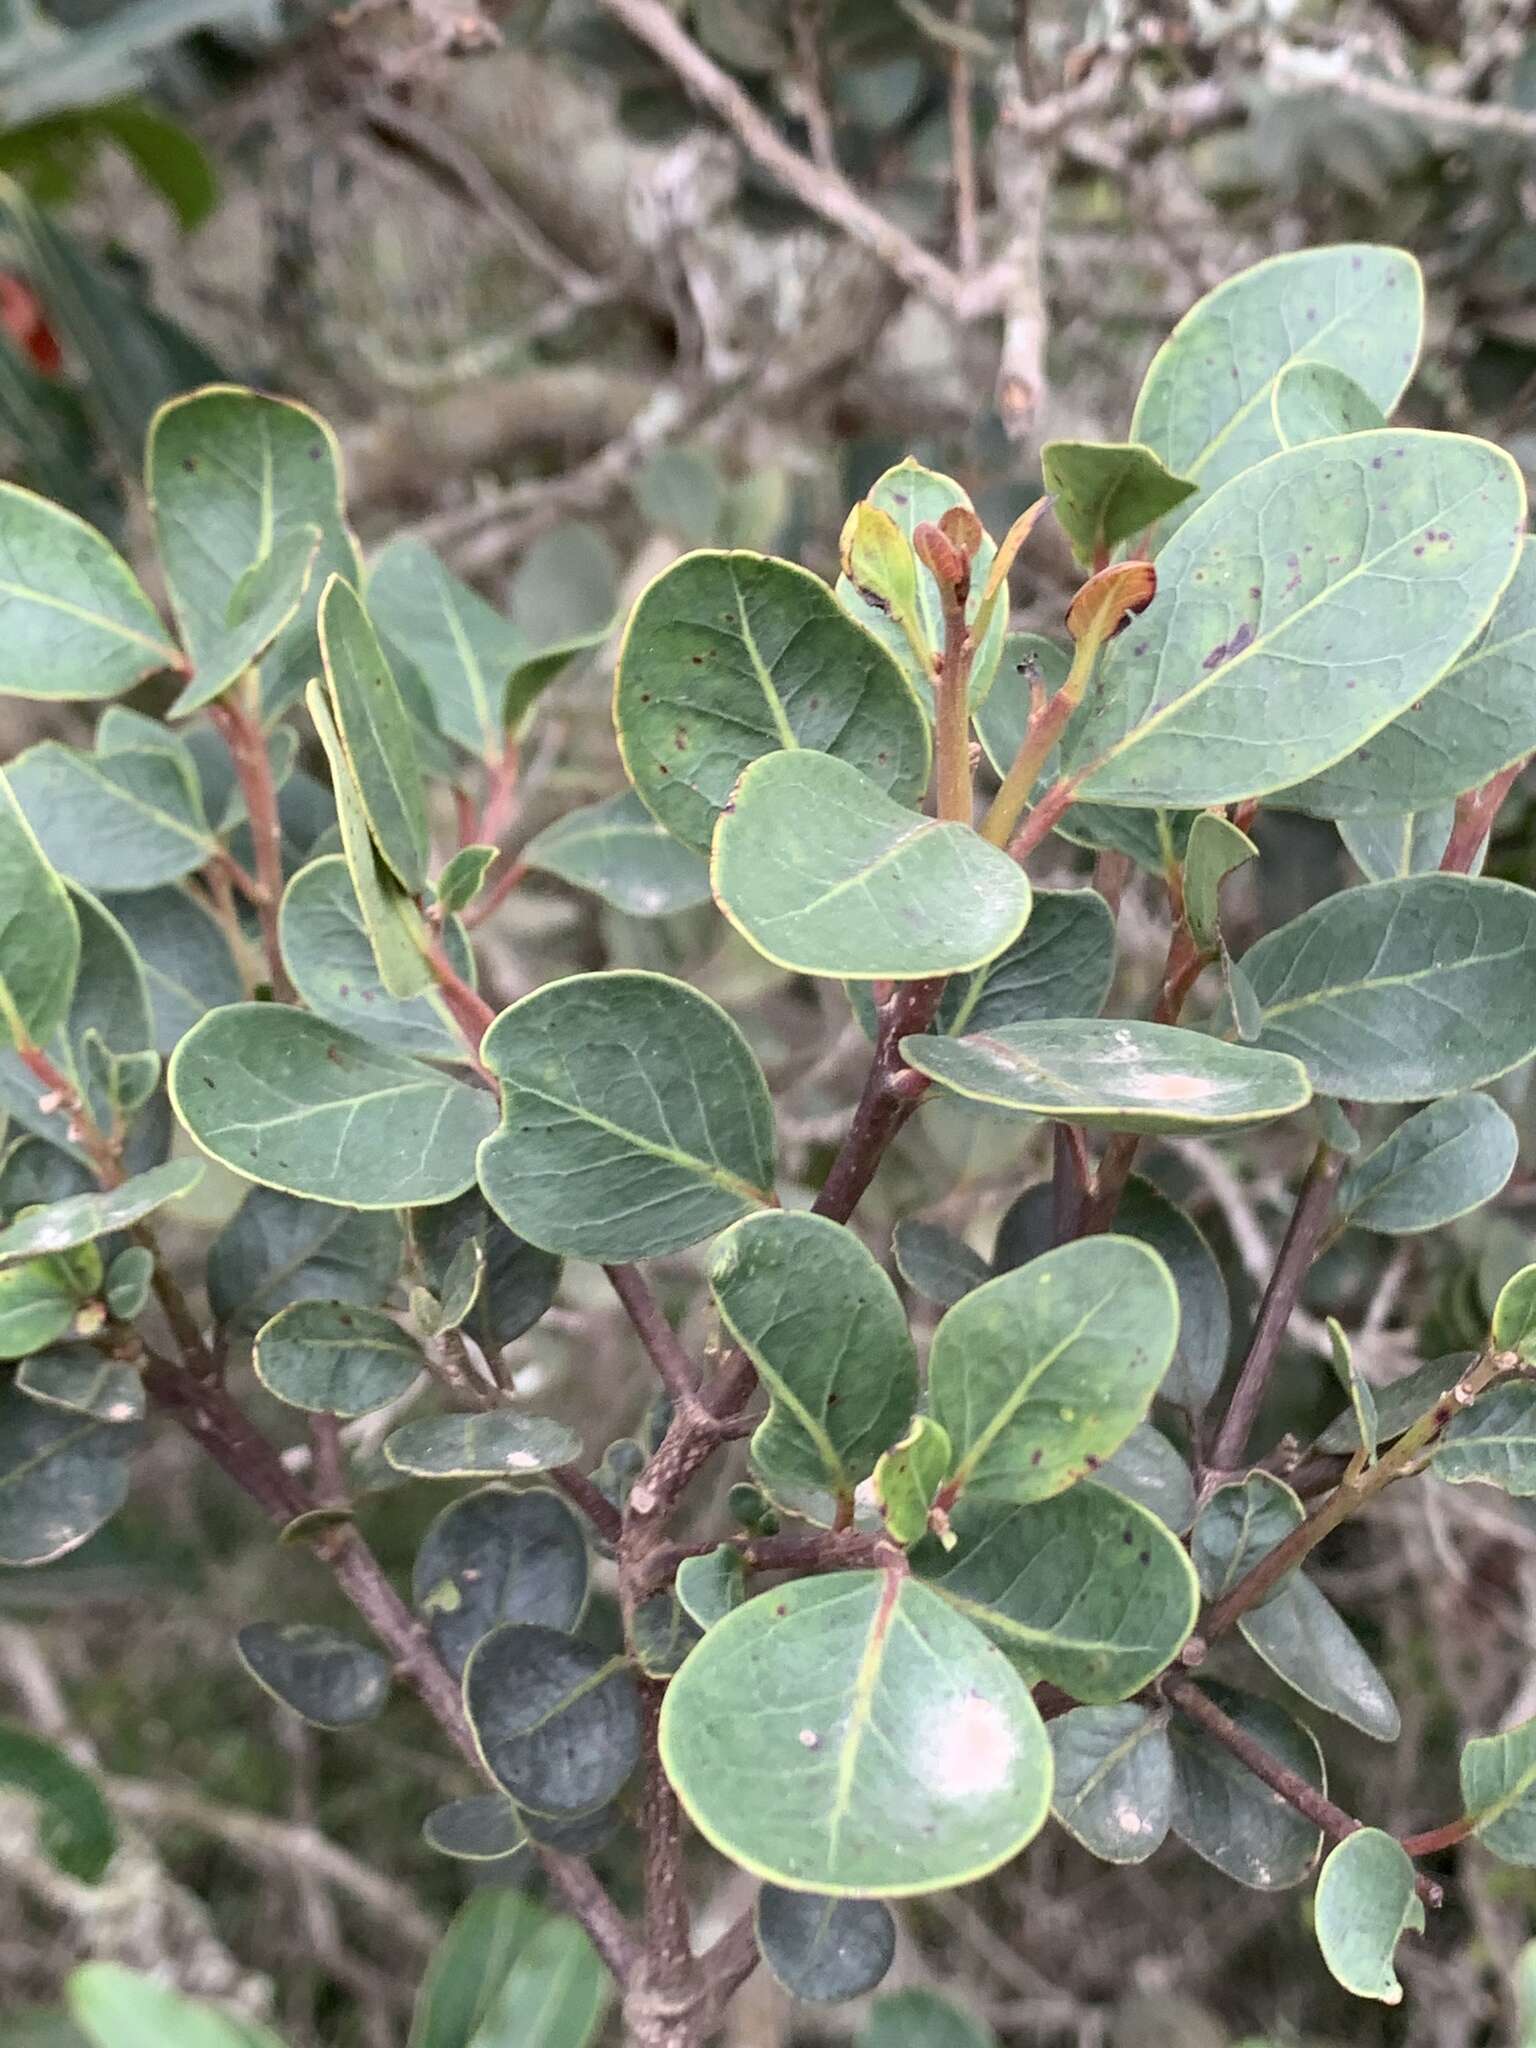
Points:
(245, 493)
(79, 1218)
(327, 1678)
(618, 852)
(61, 1477)
(1149, 1471)
(558, 1980)
(118, 2008)
(276, 1249)
(1225, 1814)
(73, 621)
(81, 1381)
(1114, 1780)
(376, 732)
(38, 1303)
(1205, 1315)
(332, 963)
(1399, 1404)
(956, 1783)
(469, 1966)
(1043, 1373)
(464, 876)
(1105, 492)
(334, 1358)
(1087, 1590)
(288, 1100)
(498, 1555)
(485, 1829)
(1215, 849)
(907, 1478)
(1493, 1441)
(936, 1265)
(518, 1282)
(1205, 406)
(1240, 1523)
(1107, 1074)
(1440, 1163)
(1061, 966)
(1402, 990)
(824, 874)
(557, 1721)
(1514, 1316)
(1304, 1639)
(1365, 1902)
(824, 1328)
(878, 561)
(824, 1950)
(39, 937)
(1386, 845)
(123, 821)
(1315, 402)
(662, 1632)
(463, 650)
(1362, 1401)
(74, 1825)
(712, 1586)
(128, 1281)
(635, 1120)
(1498, 1790)
(728, 657)
(481, 1446)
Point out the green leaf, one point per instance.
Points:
(1498, 1790)
(485, 1829)
(119, 2008)
(494, 1556)
(38, 1302)
(557, 1721)
(376, 732)
(469, 1966)
(1239, 1524)
(518, 1282)
(1365, 1901)
(74, 1825)
(907, 1479)
(1362, 1400)
(712, 1586)
(39, 934)
(128, 1278)
(1109, 1074)
(1386, 845)
(1316, 402)
(464, 651)
(62, 1225)
(1376, 559)
(188, 966)
(1215, 848)
(288, 1100)
(331, 961)
(120, 821)
(1104, 492)
(826, 875)
(554, 1995)
(936, 1265)
(326, 1677)
(1401, 990)
(334, 1358)
(1513, 1326)
(464, 876)
(1304, 1639)
(1043, 1373)
(1223, 1812)
(618, 852)
(481, 1446)
(1493, 1441)
(922, 2019)
(1114, 1780)
(80, 1380)
(245, 493)
(61, 1477)
(824, 1950)
(1061, 966)
(853, 1735)
(826, 1331)
(913, 495)
(1205, 1315)
(565, 585)
(73, 619)
(1479, 719)
(1205, 405)
(276, 1249)
(731, 656)
(635, 1120)
(1440, 1163)
(1087, 1591)
(1399, 1404)
(1149, 1471)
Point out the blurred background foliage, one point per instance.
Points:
(568, 322)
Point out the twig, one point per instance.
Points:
(1295, 70)
(805, 22)
(673, 1365)
(962, 146)
(242, 734)
(891, 1093)
(1308, 1220)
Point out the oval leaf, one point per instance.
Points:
(463, 650)
(1114, 1780)
(1315, 402)
(60, 1226)
(1239, 1524)
(1304, 1639)
(327, 1678)
(824, 1950)
(824, 874)
(78, 1379)
(617, 851)
(61, 1476)
(853, 1735)
(481, 1830)
(1225, 1814)
(122, 821)
(635, 1120)
(494, 1556)
(1498, 1790)
(557, 1721)
(39, 937)
(1365, 1901)
(333, 1358)
(1437, 1165)
(481, 1446)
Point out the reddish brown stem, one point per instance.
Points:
(500, 797)
(885, 1104)
(581, 1493)
(1475, 814)
(1433, 1840)
(663, 1347)
(242, 734)
(487, 904)
(1042, 820)
(471, 1013)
